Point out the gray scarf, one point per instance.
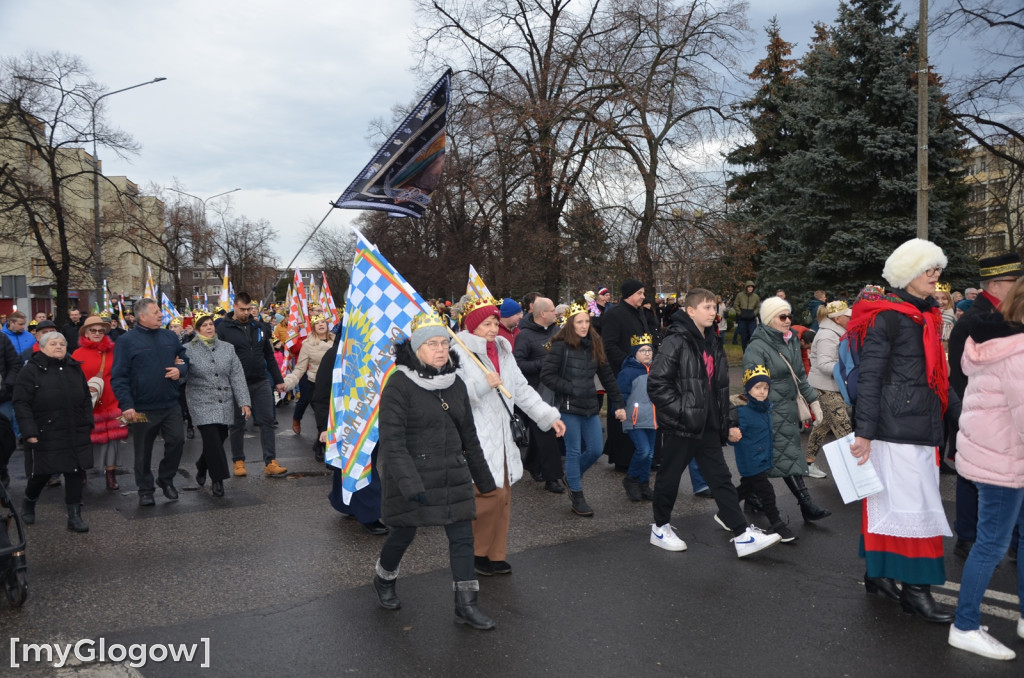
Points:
(436, 383)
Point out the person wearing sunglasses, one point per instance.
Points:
(777, 347)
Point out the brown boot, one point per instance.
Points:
(112, 485)
(297, 426)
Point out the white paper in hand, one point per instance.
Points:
(854, 481)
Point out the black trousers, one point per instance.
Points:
(72, 487)
(675, 457)
(305, 397)
(166, 423)
(460, 548)
(759, 487)
(543, 455)
(213, 459)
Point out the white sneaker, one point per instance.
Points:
(979, 642)
(665, 537)
(1020, 627)
(754, 540)
(814, 472)
(721, 524)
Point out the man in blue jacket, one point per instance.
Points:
(148, 364)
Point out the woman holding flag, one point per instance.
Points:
(487, 365)
(306, 366)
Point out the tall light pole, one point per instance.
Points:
(201, 200)
(97, 231)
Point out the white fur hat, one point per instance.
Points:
(773, 306)
(910, 260)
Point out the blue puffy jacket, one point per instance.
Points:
(756, 450)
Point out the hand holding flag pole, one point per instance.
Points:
(487, 370)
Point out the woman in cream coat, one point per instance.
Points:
(306, 367)
(493, 509)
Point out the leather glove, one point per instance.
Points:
(816, 411)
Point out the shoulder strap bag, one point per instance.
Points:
(803, 409)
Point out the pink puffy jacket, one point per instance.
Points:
(990, 445)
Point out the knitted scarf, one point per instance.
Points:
(866, 311)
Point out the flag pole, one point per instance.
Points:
(288, 268)
(504, 391)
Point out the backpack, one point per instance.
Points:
(847, 369)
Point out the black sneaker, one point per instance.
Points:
(483, 566)
(963, 548)
(632, 488)
(783, 531)
(501, 567)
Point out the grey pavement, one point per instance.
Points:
(278, 582)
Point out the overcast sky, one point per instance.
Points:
(274, 98)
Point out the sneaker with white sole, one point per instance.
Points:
(814, 472)
(721, 524)
(979, 642)
(665, 537)
(1020, 627)
(754, 540)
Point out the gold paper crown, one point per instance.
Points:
(318, 318)
(642, 340)
(943, 287)
(427, 319)
(479, 303)
(576, 308)
(200, 316)
(756, 371)
(175, 321)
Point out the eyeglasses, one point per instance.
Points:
(784, 317)
(645, 350)
(935, 270)
(96, 330)
(437, 345)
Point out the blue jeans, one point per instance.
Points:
(580, 430)
(699, 484)
(999, 509)
(643, 452)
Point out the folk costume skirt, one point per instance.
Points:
(903, 525)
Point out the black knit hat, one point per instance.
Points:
(630, 287)
(1001, 266)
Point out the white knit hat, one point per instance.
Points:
(910, 260)
(773, 306)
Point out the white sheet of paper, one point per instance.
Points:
(854, 481)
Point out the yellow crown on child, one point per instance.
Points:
(756, 371)
(427, 319)
(641, 340)
(576, 308)
(943, 287)
(477, 303)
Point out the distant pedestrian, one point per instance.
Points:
(746, 304)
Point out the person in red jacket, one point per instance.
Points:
(96, 353)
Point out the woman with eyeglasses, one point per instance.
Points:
(96, 353)
(429, 458)
(777, 347)
(903, 394)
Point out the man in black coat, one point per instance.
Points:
(252, 341)
(998, 274)
(9, 365)
(543, 454)
(70, 331)
(618, 324)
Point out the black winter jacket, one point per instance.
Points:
(575, 389)
(618, 325)
(10, 364)
(138, 375)
(52, 403)
(678, 385)
(426, 450)
(530, 348)
(958, 339)
(252, 342)
(894, 401)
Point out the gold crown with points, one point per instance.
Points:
(427, 319)
(202, 314)
(576, 308)
(641, 340)
(943, 287)
(756, 371)
(318, 318)
(478, 304)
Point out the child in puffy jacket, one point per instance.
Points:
(752, 413)
(640, 424)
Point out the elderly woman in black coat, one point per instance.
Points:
(54, 408)
(429, 458)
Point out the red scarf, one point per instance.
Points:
(492, 353)
(866, 311)
(996, 303)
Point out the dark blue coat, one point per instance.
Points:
(633, 385)
(755, 452)
(140, 360)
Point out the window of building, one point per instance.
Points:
(39, 268)
(197, 275)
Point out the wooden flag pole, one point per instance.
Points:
(479, 364)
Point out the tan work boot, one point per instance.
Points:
(240, 469)
(274, 470)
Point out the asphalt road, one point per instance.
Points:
(278, 583)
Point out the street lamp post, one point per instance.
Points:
(201, 200)
(97, 231)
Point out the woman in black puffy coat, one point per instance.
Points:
(576, 356)
(429, 458)
(54, 408)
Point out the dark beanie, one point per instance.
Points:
(630, 287)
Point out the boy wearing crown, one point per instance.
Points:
(689, 386)
(755, 450)
(640, 425)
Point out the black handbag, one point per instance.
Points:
(516, 424)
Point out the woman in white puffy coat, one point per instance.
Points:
(493, 509)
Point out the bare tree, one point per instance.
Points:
(332, 251)
(246, 247)
(45, 120)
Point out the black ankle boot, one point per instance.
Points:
(917, 599)
(808, 509)
(385, 588)
(882, 586)
(28, 511)
(466, 611)
(75, 523)
(579, 505)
